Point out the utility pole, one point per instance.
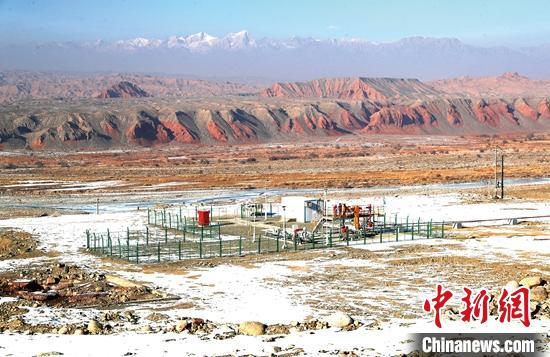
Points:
(496, 172)
(254, 223)
(499, 173)
(284, 227)
(324, 218)
(265, 204)
(502, 176)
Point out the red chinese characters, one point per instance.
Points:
(511, 306)
(514, 306)
(439, 302)
(478, 308)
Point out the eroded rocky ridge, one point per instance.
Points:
(154, 121)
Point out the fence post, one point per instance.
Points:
(295, 243)
(364, 238)
(147, 236)
(240, 245)
(179, 249)
(397, 233)
(278, 242)
(119, 249)
(87, 239)
(384, 220)
(128, 244)
(259, 244)
(169, 220)
(347, 237)
(428, 233)
(412, 231)
(381, 230)
(137, 251)
(184, 227)
(427, 230)
(158, 252)
(221, 247)
(165, 235)
(148, 216)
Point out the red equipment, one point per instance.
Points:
(204, 217)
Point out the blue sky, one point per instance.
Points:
(504, 22)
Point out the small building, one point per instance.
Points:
(302, 209)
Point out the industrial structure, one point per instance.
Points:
(297, 223)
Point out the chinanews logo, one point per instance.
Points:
(509, 306)
(512, 305)
(480, 344)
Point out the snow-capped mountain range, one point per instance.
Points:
(240, 55)
(196, 42)
(200, 41)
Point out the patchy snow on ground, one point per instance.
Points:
(449, 207)
(276, 291)
(14, 264)
(56, 185)
(90, 185)
(327, 342)
(232, 293)
(66, 234)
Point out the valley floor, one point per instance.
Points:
(354, 161)
(380, 286)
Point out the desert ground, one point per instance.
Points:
(361, 299)
(343, 162)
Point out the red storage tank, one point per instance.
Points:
(204, 217)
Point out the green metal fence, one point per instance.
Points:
(186, 240)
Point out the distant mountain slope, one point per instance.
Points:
(509, 84)
(124, 89)
(297, 58)
(297, 111)
(22, 85)
(359, 88)
(154, 121)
